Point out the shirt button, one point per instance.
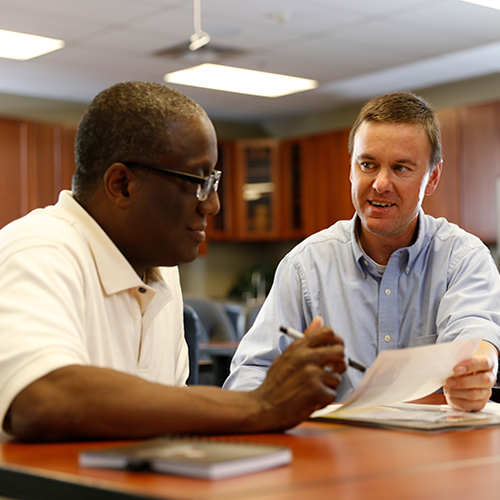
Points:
(142, 290)
(387, 338)
(387, 292)
(407, 270)
(366, 262)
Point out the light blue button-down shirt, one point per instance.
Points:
(444, 286)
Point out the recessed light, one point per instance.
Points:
(22, 46)
(492, 4)
(242, 81)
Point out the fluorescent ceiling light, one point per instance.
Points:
(493, 4)
(242, 81)
(21, 46)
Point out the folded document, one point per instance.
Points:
(403, 375)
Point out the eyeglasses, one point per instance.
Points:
(206, 185)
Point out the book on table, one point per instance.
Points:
(195, 457)
(398, 376)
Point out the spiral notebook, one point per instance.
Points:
(202, 458)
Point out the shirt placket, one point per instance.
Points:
(388, 323)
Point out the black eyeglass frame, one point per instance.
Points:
(207, 184)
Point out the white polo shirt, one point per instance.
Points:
(68, 296)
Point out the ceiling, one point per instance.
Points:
(356, 49)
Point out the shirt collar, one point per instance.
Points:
(115, 272)
(411, 251)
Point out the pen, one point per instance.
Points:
(298, 335)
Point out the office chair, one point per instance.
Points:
(216, 325)
(192, 330)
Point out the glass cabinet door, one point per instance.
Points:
(257, 189)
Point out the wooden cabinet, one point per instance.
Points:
(13, 170)
(481, 168)
(445, 201)
(222, 226)
(316, 182)
(292, 177)
(289, 189)
(279, 190)
(256, 193)
(36, 163)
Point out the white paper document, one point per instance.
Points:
(403, 375)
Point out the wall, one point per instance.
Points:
(472, 91)
(215, 273)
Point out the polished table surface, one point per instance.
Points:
(330, 461)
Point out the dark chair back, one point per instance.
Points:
(192, 328)
(216, 325)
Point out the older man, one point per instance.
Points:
(392, 277)
(91, 328)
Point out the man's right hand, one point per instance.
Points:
(88, 402)
(304, 378)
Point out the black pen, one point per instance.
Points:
(298, 335)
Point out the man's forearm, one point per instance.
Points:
(85, 402)
(88, 402)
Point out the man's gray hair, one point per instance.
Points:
(126, 122)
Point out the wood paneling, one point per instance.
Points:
(257, 162)
(445, 201)
(36, 162)
(221, 226)
(13, 170)
(481, 167)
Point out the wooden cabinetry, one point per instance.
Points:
(445, 201)
(13, 170)
(289, 189)
(481, 168)
(36, 163)
(316, 181)
(222, 226)
(292, 177)
(256, 201)
(279, 190)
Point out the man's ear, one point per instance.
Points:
(118, 183)
(433, 181)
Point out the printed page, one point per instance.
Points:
(406, 374)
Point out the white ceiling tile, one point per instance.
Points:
(401, 38)
(108, 11)
(465, 20)
(352, 48)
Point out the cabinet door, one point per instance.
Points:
(340, 189)
(221, 226)
(257, 190)
(51, 162)
(481, 168)
(43, 165)
(65, 136)
(327, 193)
(13, 170)
(292, 178)
(36, 162)
(445, 201)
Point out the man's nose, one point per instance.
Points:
(383, 181)
(211, 205)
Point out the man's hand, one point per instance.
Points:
(88, 402)
(470, 388)
(304, 378)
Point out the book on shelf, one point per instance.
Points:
(195, 457)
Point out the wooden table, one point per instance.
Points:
(330, 461)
